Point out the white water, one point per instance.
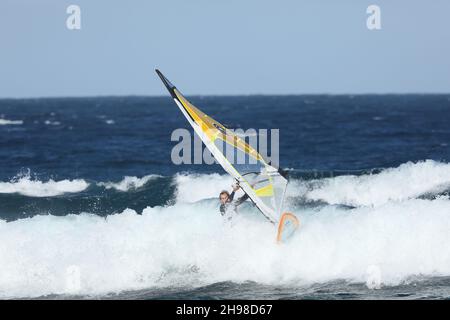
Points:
(188, 244)
(408, 181)
(129, 183)
(193, 188)
(52, 123)
(4, 122)
(35, 188)
(26, 185)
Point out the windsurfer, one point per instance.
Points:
(227, 203)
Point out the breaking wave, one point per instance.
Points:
(390, 228)
(129, 183)
(196, 187)
(408, 181)
(4, 122)
(188, 245)
(25, 185)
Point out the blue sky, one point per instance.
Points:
(223, 47)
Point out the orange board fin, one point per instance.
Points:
(286, 227)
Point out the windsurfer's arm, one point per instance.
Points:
(241, 199)
(235, 188)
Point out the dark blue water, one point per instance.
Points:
(66, 157)
(316, 132)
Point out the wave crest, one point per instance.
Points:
(409, 180)
(128, 183)
(5, 122)
(35, 188)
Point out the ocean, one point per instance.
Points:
(92, 207)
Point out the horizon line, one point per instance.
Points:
(227, 95)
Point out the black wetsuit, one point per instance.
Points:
(224, 207)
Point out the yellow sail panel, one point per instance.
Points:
(214, 129)
(198, 116)
(266, 191)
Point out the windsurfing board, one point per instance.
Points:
(287, 226)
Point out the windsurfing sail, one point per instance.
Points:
(262, 182)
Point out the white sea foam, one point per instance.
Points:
(195, 187)
(4, 122)
(128, 183)
(188, 244)
(390, 234)
(52, 123)
(407, 181)
(35, 188)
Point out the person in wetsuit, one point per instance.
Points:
(226, 200)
